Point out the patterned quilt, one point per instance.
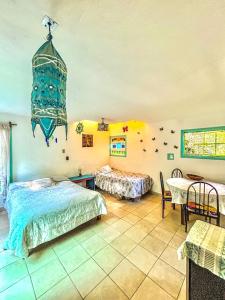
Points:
(124, 184)
(38, 215)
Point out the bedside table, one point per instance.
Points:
(88, 180)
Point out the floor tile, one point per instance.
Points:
(144, 216)
(170, 257)
(127, 277)
(99, 226)
(182, 295)
(87, 276)
(140, 212)
(136, 234)
(150, 291)
(121, 226)
(46, 277)
(74, 258)
(64, 244)
(107, 290)
(153, 219)
(7, 257)
(39, 258)
(167, 278)
(12, 273)
(112, 219)
(168, 226)
(153, 244)
(181, 232)
(22, 290)
(131, 218)
(129, 207)
(123, 244)
(145, 225)
(120, 212)
(161, 234)
(142, 259)
(109, 234)
(64, 290)
(108, 258)
(176, 241)
(83, 234)
(94, 244)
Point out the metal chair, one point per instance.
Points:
(177, 173)
(198, 202)
(166, 195)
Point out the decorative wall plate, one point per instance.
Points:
(79, 128)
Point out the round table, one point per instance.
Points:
(178, 188)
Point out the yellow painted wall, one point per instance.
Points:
(152, 163)
(135, 154)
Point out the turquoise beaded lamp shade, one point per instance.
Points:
(48, 98)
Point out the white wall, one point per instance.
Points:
(152, 163)
(33, 159)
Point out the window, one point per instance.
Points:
(205, 143)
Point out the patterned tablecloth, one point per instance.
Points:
(179, 186)
(205, 245)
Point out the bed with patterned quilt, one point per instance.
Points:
(39, 213)
(123, 184)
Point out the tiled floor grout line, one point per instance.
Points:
(30, 280)
(96, 233)
(68, 274)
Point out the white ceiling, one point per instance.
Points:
(126, 59)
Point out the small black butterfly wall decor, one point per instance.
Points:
(144, 150)
(165, 143)
(156, 150)
(153, 138)
(172, 131)
(161, 128)
(175, 147)
(141, 141)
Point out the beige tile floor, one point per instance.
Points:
(129, 254)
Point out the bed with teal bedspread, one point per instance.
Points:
(40, 215)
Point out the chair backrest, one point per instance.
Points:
(162, 183)
(177, 173)
(203, 195)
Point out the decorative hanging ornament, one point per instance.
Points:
(48, 98)
(103, 126)
(79, 128)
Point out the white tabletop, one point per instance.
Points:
(179, 186)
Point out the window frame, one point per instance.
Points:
(207, 129)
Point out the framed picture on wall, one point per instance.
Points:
(87, 140)
(118, 146)
(204, 143)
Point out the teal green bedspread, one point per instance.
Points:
(38, 216)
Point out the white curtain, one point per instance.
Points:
(4, 161)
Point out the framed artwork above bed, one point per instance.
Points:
(118, 146)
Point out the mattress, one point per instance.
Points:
(37, 215)
(124, 184)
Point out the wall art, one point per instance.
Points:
(118, 145)
(87, 140)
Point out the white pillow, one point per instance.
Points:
(41, 183)
(32, 184)
(106, 169)
(59, 178)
